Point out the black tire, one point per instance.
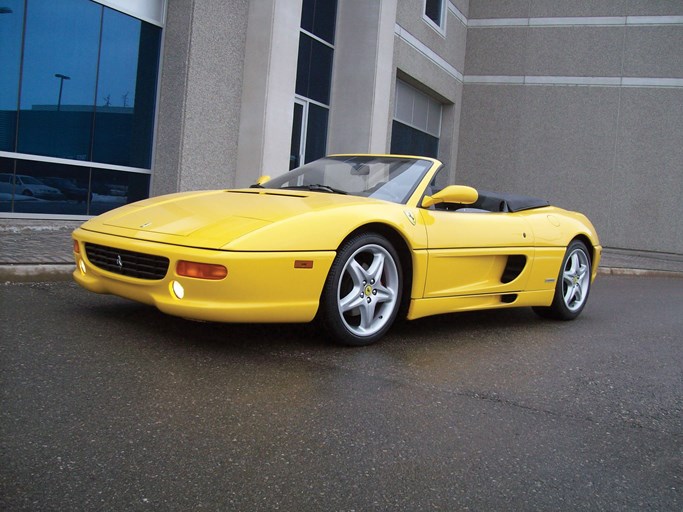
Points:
(362, 295)
(573, 285)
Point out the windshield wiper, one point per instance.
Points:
(318, 188)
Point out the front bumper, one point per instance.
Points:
(259, 287)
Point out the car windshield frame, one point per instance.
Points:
(388, 178)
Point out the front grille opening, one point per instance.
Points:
(127, 263)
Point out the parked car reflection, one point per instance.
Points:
(22, 184)
(68, 188)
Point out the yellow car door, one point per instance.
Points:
(476, 253)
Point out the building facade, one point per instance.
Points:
(579, 102)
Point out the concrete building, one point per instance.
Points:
(580, 102)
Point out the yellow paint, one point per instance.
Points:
(262, 235)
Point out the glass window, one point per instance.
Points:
(406, 140)
(89, 84)
(319, 17)
(47, 188)
(59, 76)
(420, 111)
(82, 88)
(313, 81)
(404, 101)
(434, 118)
(297, 129)
(111, 189)
(416, 109)
(11, 26)
(314, 70)
(6, 184)
(316, 132)
(434, 11)
(42, 187)
(126, 91)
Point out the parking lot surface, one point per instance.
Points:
(110, 405)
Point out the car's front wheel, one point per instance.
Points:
(362, 294)
(573, 285)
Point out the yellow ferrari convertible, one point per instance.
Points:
(354, 241)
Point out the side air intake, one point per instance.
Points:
(513, 268)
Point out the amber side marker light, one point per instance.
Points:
(201, 270)
(303, 263)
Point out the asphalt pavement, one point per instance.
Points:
(106, 404)
(39, 250)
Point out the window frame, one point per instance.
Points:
(440, 27)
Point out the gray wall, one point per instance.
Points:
(569, 111)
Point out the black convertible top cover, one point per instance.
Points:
(497, 202)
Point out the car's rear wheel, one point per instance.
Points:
(362, 294)
(573, 285)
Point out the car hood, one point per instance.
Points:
(213, 219)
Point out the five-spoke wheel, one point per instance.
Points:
(362, 294)
(573, 285)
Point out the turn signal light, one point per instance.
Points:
(77, 248)
(201, 270)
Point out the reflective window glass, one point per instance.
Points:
(406, 140)
(59, 75)
(297, 127)
(42, 187)
(416, 109)
(126, 91)
(319, 17)
(11, 26)
(314, 70)
(434, 10)
(316, 132)
(47, 188)
(6, 184)
(111, 189)
(82, 88)
(420, 111)
(67, 110)
(404, 102)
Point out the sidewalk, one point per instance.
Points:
(41, 251)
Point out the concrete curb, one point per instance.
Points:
(36, 272)
(617, 271)
(30, 273)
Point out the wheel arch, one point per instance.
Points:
(404, 253)
(587, 242)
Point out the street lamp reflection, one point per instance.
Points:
(61, 86)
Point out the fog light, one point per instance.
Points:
(178, 289)
(81, 266)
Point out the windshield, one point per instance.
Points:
(387, 178)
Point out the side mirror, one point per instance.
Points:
(452, 194)
(259, 182)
